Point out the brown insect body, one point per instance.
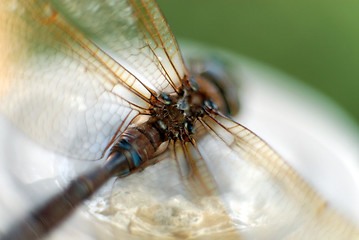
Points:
(80, 77)
(172, 117)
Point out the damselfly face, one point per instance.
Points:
(76, 75)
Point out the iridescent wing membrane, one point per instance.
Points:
(60, 86)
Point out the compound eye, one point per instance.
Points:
(227, 87)
(221, 74)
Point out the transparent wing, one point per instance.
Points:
(136, 32)
(193, 170)
(173, 199)
(264, 195)
(60, 87)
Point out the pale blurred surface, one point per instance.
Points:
(314, 136)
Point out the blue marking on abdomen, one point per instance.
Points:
(136, 159)
(125, 173)
(124, 144)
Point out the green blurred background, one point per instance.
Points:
(316, 41)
